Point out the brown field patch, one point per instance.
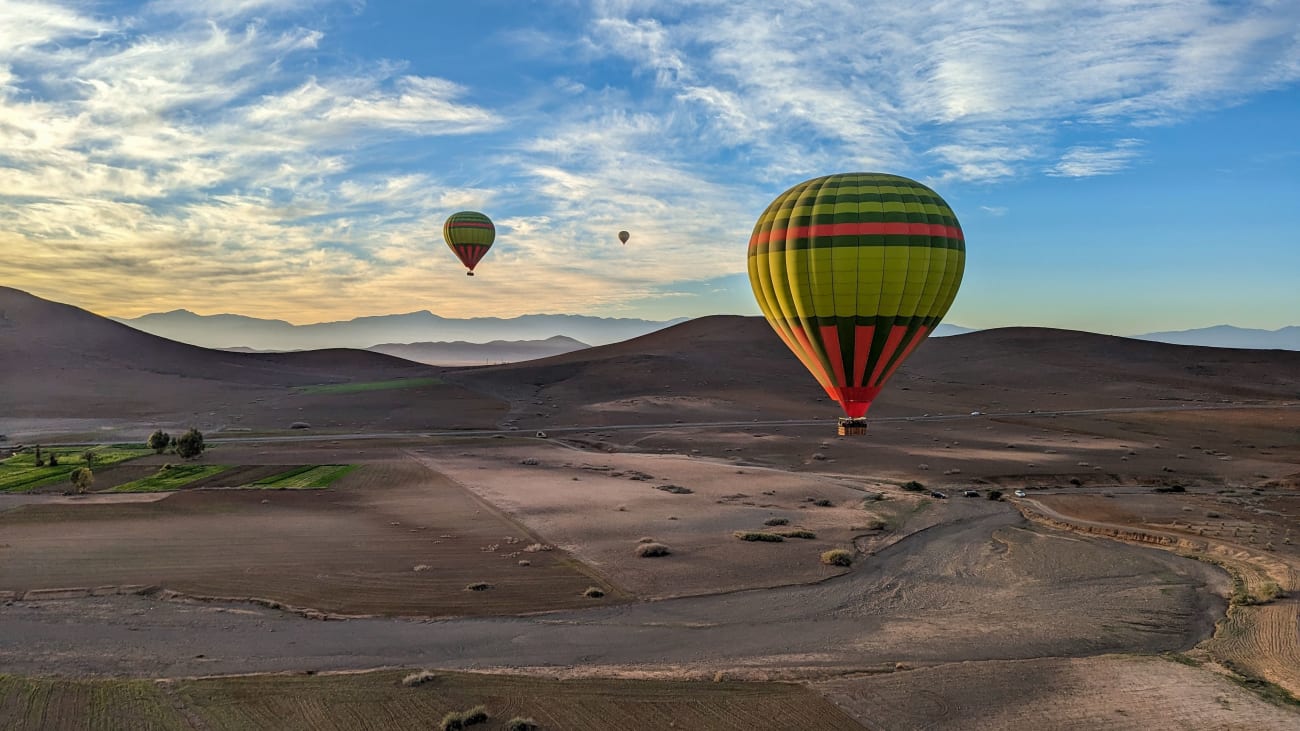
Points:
(1109, 692)
(28, 704)
(352, 549)
(378, 701)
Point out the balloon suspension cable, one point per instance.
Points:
(851, 427)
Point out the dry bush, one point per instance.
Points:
(837, 557)
(417, 679)
(645, 539)
(756, 535)
(796, 533)
(823, 503)
(479, 586)
(652, 550)
(519, 723)
(777, 521)
(594, 592)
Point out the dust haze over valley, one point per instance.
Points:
(1103, 595)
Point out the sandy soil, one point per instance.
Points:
(982, 587)
(1110, 692)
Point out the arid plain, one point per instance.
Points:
(1147, 579)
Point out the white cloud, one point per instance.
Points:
(1085, 161)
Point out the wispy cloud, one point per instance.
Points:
(232, 153)
(1083, 162)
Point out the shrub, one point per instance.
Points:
(54, 460)
(519, 723)
(837, 557)
(594, 592)
(874, 524)
(777, 521)
(796, 533)
(913, 486)
(675, 489)
(190, 444)
(1076, 481)
(478, 586)
(417, 679)
(645, 539)
(652, 550)
(1268, 591)
(995, 495)
(88, 457)
(82, 479)
(457, 720)
(823, 503)
(159, 441)
(754, 535)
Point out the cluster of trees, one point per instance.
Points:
(187, 446)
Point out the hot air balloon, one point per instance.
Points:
(624, 236)
(469, 234)
(853, 271)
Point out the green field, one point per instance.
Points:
(370, 385)
(307, 477)
(19, 473)
(172, 478)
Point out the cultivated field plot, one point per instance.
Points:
(1110, 692)
(19, 473)
(368, 386)
(28, 704)
(378, 701)
(305, 477)
(171, 477)
(392, 538)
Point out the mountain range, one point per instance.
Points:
(239, 331)
(1228, 336)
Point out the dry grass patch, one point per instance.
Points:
(758, 536)
(652, 550)
(837, 557)
(776, 521)
(417, 679)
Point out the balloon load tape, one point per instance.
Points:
(852, 427)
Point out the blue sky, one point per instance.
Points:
(1130, 167)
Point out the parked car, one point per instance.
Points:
(971, 493)
(977, 413)
(936, 493)
(1020, 493)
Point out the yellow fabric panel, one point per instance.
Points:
(894, 282)
(821, 282)
(918, 269)
(871, 265)
(844, 268)
(933, 282)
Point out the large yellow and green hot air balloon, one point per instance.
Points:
(853, 271)
(469, 234)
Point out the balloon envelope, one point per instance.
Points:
(624, 236)
(853, 271)
(469, 234)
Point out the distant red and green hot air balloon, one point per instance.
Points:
(624, 236)
(469, 234)
(853, 271)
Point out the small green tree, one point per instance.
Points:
(54, 460)
(159, 441)
(82, 479)
(88, 457)
(39, 462)
(190, 444)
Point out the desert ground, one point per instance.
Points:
(487, 524)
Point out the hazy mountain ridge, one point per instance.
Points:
(238, 331)
(1230, 336)
(459, 353)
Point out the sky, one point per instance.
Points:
(1119, 166)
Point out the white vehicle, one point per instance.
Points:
(1020, 493)
(977, 413)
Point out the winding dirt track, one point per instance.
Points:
(985, 586)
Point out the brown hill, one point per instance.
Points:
(735, 368)
(63, 363)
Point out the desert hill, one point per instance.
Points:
(461, 353)
(729, 367)
(62, 362)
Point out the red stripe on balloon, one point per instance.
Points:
(896, 334)
(861, 228)
(862, 337)
(831, 342)
(907, 350)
